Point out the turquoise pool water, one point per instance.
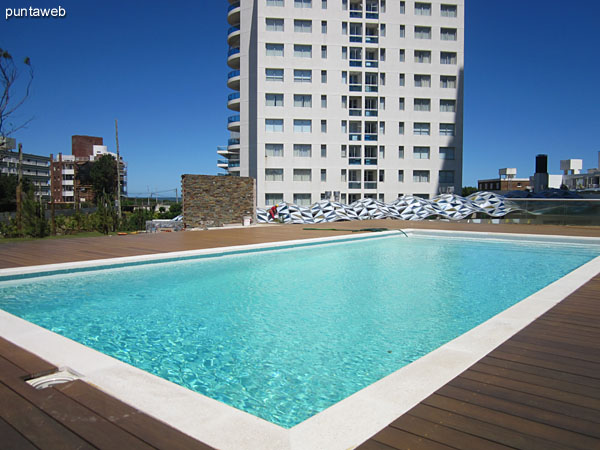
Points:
(284, 334)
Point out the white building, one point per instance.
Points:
(345, 99)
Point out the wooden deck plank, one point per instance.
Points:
(580, 353)
(152, 431)
(402, 440)
(32, 365)
(12, 439)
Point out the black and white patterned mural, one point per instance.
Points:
(408, 207)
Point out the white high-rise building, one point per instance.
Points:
(345, 99)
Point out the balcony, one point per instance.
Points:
(233, 58)
(355, 88)
(233, 163)
(371, 63)
(233, 80)
(233, 13)
(370, 137)
(354, 137)
(355, 112)
(370, 184)
(371, 39)
(371, 15)
(354, 161)
(233, 144)
(222, 163)
(371, 112)
(371, 88)
(233, 101)
(233, 123)
(354, 184)
(356, 14)
(355, 38)
(370, 162)
(233, 36)
(355, 63)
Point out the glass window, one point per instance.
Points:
(274, 2)
(422, 9)
(446, 176)
(402, 31)
(448, 34)
(302, 126)
(274, 99)
(402, 79)
(302, 101)
(423, 56)
(302, 3)
(448, 10)
(274, 74)
(303, 26)
(274, 24)
(421, 176)
(402, 55)
(401, 152)
(448, 81)
(422, 80)
(323, 51)
(446, 129)
(422, 104)
(323, 4)
(447, 105)
(273, 174)
(302, 51)
(323, 101)
(421, 129)
(402, 7)
(273, 199)
(401, 176)
(323, 76)
(302, 175)
(401, 103)
(323, 175)
(323, 151)
(422, 32)
(400, 128)
(323, 126)
(274, 49)
(302, 76)
(323, 27)
(421, 152)
(274, 125)
(447, 58)
(302, 199)
(447, 152)
(275, 150)
(302, 150)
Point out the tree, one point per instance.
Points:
(468, 190)
(103, 175)
(9, 103)
(8, 191)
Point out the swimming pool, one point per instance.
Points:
(284, 334)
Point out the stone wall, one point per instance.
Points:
(212, 201)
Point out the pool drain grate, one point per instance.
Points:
(63, 375)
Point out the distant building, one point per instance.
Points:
(36, 168)
(505, 182)
(84, 149)
(575, 180)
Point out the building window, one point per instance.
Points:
(273, 199)
(344, 28)
(422, 104)
(401, 177)
(302, 3)
(302, 51)
(382, 30)
(402, 7)
(421, 176)
(323, 151)
(447, 153)
(402, 80)
(302, 199)
(302, 126)
(275, 150)
(422, 80)
(323, 175)
(448, 34)
(274, 24)
(274, 74)
(323, 76)
(323, 126)
(402, 55)
(423, 196)
(274, 49)
(303, 26)
(402, 31)
(302, 101)
(423, 56)
(343, 176)
(447, 105)
(273, 174)
(343, 152)
(421, 129)
(344, 126)
(448, 10)
(422, 32)
(382, 151)
(446, 129)
(323, 27)
(401, 128)
(275, 3)
(302, 175)
(421, 152)
(323, 101)
(447, 58)
(323, 4)
(401, 152)
(302, 150)
(422, 9)
(323, 52)
(302, 76)
(446, 176)
(382, 78)
(274, 99)
(382, 176)
(448, 81)
(274, 125)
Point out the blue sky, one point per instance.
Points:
(531, 83)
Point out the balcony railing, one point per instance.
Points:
(372, 15)
(233, 73)
(233, 96)
(355, 38)
(354, 161)
(370, 137)
(370, 161)
(371, 39)
(233, 51)
(371, 88)
(356, 14)
(355, 88)
(222, 161)
(354, 184)
(235, 118)
(370, 184)
(233, 163)
(355, 112)
(355, 63)
(232, 7)
(233, 30)
(233, 142)
(368, 63)
(371, 112)
(354, 137)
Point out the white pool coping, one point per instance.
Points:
(344, 425)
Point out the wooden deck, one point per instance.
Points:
(538, 390)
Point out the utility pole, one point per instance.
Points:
(118, 171)
(20, 190)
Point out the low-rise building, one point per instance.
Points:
(35, 168)
(506, 182)
(575, 180)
